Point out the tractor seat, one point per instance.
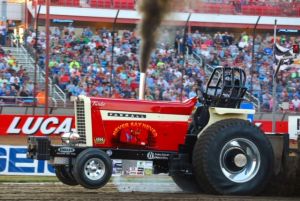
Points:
(200, 120)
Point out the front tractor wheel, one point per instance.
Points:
(233, 157)
(92, 168)
(64, 175)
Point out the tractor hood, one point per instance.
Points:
(163, 107)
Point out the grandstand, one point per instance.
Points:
(251, 7)
(80, 58)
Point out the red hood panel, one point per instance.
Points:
(163, 107)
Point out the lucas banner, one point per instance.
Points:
(35, 125)
(13, 161)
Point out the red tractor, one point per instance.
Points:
(212, 148)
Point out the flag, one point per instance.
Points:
(281, 52)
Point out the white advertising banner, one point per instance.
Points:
(13, 161)
(294, 127)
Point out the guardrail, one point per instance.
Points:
(54, 89)
(23, 101)
(200, 59)
(58, 92)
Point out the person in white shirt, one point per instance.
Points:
(12, 79)
(296, 103)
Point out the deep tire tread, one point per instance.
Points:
(202, 148)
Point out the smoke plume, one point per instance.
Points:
(153, 12)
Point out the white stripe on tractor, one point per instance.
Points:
(140, 116)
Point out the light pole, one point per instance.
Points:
(47, 57)
(274, 83)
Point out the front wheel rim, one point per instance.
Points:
(240, 160)
(94, 169)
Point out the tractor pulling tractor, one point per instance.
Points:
(211, 149)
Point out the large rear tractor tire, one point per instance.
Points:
(65, 176)
(233, 157)
(186, 183)
(92, 168)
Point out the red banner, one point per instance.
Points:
(56, 125)
(266, 126)
(35, 125)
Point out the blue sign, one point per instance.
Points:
(13, 161)
(250, 106)
(268, 51)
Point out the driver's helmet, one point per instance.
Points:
(228, 79)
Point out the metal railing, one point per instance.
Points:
(23, 101)
(55, 91)
(58, 92)
(21, 53)
(199, 59)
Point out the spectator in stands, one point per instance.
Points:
(14, 78)
(193, 92)
(266, 98)
(296, 103)
(3, 33)
(2, 52)
(5, 87)
(16, 84)
(41, 97)
(190, 44)
(64, 80)
(237, 6)
(178, 37)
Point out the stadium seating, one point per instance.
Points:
(71, 3)
(124, 4)
(279, 9)
(101, 3)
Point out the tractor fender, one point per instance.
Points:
(219, 113)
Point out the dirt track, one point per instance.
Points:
(57, 191)
(119, 190)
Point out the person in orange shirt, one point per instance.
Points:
(41, 97)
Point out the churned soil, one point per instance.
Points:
(58, 191)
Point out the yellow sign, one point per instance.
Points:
(135, 125)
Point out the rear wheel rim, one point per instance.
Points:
(94, 169)
(240, 160)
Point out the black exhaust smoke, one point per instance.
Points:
(153, 12)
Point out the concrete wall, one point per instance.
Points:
(36, 111)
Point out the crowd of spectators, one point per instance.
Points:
(14, 81)
(80, 63)
(225, 49)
